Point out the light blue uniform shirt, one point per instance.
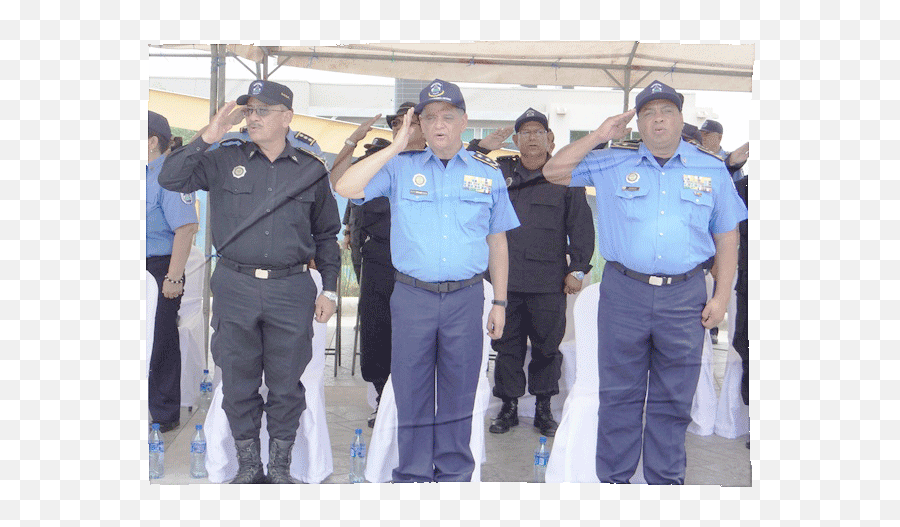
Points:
(659, 220)
(440, 217)
(166, 211)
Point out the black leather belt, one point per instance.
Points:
(657, 280)
(437, 287)
(260, 273)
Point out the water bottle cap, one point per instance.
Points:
(358, 431)
(198, 427)
(205, 371)
(543, 439)
(155, 426)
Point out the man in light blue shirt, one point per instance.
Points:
(450, 213)
(664, 206)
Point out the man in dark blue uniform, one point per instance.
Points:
(171, 225)
(272, 212)
(449, 216)
(663, 207)
(556, 221)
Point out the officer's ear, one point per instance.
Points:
(287, 117)
(516, 139)
(550, 144)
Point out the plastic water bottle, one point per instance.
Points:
(205, 393)
(541, 455)
(198, 454)
(157, 453)
(358, 458)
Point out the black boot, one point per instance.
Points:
(250, 469)
(507, 418)
(543, 417)
(279, 467)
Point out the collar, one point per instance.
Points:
(289, 151)
(528, 175)
(467, 159)
(680, 153)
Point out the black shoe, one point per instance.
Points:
(279, 467)
(167, 427)
(543, 417)
(250, 469)
(507, 418)
(372, 417)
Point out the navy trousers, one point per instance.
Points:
(650, 341)
(262, 326)
(164, 381)
(437, 351)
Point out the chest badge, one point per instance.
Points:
(187, 198)
(509, 182)
(239, 171)
(633, 177)
(419, 180)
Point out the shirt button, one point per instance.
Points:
(268, 210)
(659, 257)
(445, 237)
(446, 215)
(664, 192)
(662, 212)
(266, 255)
(270, 190)
(660, 234)
(663, 173)
(445, 259)
(698, 201)
(267, 233)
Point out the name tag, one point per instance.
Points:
(418, 192)
(631, 189)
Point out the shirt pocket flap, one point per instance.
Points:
(697, 197)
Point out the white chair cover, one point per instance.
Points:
(732, 415)
(311, 459)
(152, 294)
(575, 444)
(191, 324)
(703, 411)
(383, 455)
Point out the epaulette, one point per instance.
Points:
(710, 152)
(305, 138)
(486, 160)
(511, 158)
(628, 145)
(314, 156)
(232, 141)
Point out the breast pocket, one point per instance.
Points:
(237, 197)
(300, 205)
(414, 204)
(474, 212)
(698, 206)
(546, 211)
(630, 201)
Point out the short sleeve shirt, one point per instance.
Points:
(166, 211)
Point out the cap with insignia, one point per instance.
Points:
(378, 143)
(532, 115)
(270, 93)
(441, 91)
(658, 90)
(691, 133)
(401, 111)
(711, 126)
(159, 125)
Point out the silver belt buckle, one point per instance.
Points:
(655, 280)
(261, 273)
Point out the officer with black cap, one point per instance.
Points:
(171, 225)
(711, 139)
(272, 212)
(664, 206)
(555, 222)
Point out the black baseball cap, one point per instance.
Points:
(532, 115)
(401, 111)
(159, 125)
(270, 93)
(441, 91)
(658, 90)
(711, 126)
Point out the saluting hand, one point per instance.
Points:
(614, 127)
(362, 130)
(495, 140)
(740, 155)
(402, 137)
(222, 121)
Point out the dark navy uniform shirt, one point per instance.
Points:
(556, 221)
(268, 214)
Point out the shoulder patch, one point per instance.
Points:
(625, 144)
(305, 138)
(313, 155)
(232, 141)
(710, 152)
(486, 160)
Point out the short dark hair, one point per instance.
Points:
(161, 143)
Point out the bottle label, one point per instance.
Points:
(361, 451)
(205, 386)
(153, 447)
(540, 461)
(198, 447)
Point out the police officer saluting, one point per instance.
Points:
(449, 214)
(664, 206)
(272, 212)
(555, 221)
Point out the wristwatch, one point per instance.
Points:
(330, 295)
(579, 275)
(501, 303)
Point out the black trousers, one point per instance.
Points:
(540, 317)
(741, 342)
(164, 383)
(375, 289)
